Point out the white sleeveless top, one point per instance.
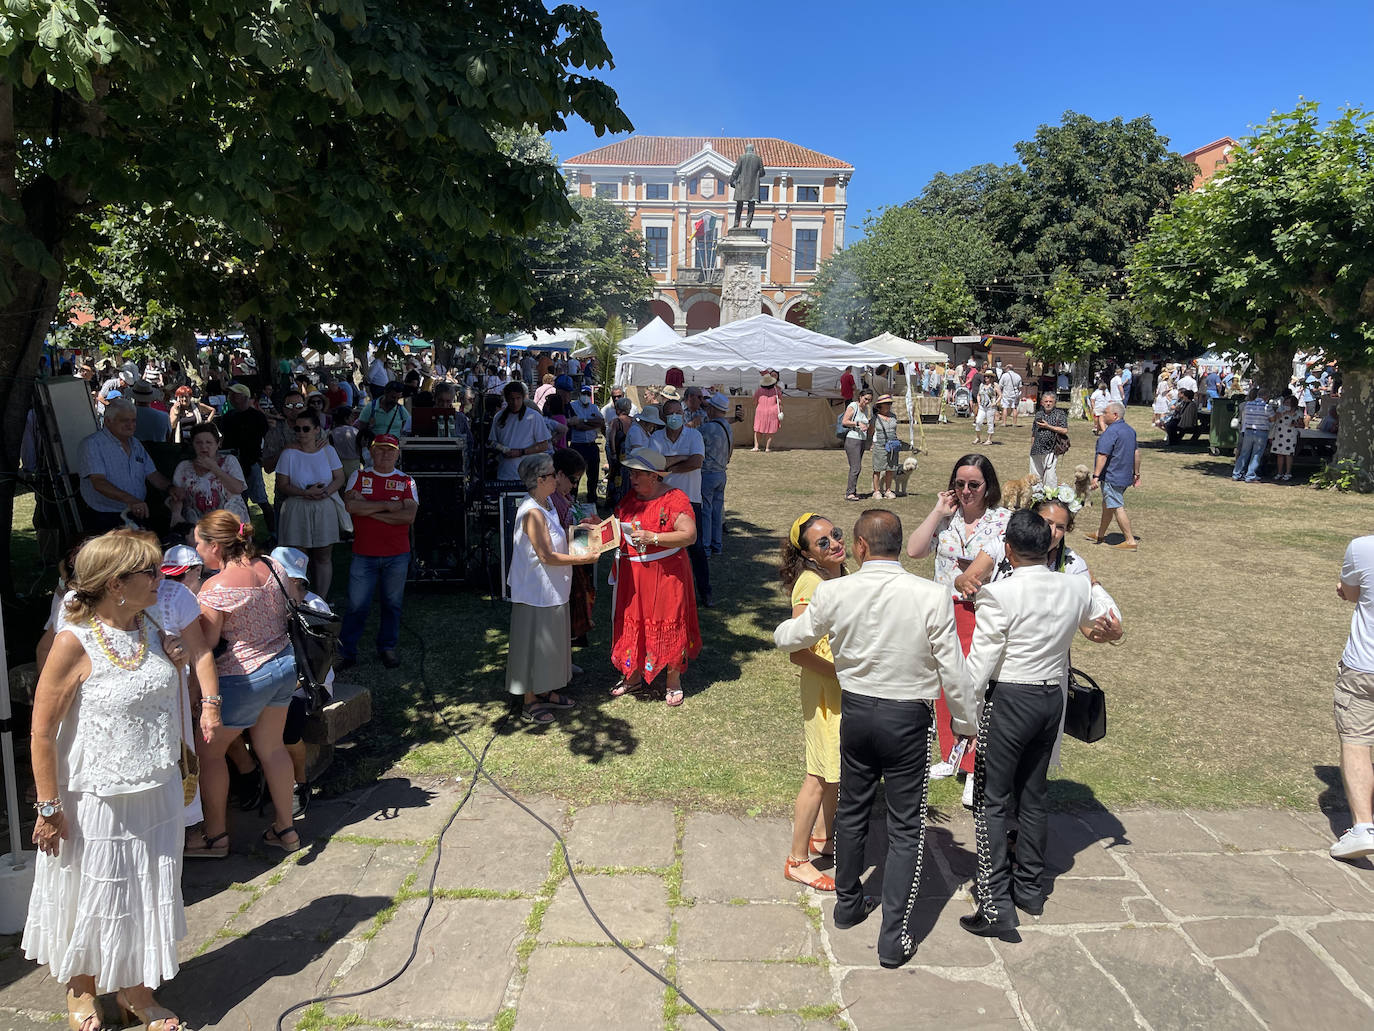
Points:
(122, 732)
(531, 582)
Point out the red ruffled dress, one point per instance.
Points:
(655, 623)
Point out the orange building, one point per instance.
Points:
(1210, 159)
(671, 184)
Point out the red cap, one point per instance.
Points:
(386, 440)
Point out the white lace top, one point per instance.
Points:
(122, 732)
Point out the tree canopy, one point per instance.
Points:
(1075, 325)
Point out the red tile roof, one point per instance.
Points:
(671, 151)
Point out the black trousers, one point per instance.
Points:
(591, 454)
(1015, 740)
(696, 553)
(887, 739)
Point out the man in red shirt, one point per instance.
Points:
(383, 502)
(847, 386)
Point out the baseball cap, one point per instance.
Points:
(179, 558)
(292, 560)
(386, 440)
(586, 388)
(563, 383)
(239, 388)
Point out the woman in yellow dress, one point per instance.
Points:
(814, 551)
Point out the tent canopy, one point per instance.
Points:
(543, 340)
(733, 355)
(906, 350)
(655, 332)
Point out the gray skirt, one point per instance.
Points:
(540, 658)
(308, 523)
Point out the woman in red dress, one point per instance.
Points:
(767, 410)
(655, 625)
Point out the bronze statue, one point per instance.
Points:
(745, 179)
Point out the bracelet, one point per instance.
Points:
(54, 803)
(214, 700)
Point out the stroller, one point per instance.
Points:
(963, 403)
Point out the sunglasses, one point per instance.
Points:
(152, 572)
(823, 543)
(967, 484)
(295, 405)
(304, 429)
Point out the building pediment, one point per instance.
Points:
(707, 160)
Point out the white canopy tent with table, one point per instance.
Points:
(909, 353)
(731, 357)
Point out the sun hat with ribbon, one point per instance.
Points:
(647, 460)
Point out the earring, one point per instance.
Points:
(121, 601)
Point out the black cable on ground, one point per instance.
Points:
(479, 770)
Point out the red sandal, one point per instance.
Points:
(822, 882)
(819, 849)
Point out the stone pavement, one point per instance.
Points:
(1159, 919)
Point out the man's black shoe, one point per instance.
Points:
(870, 903)
(893, 964)
(344, 663)
(389, 659)
(977, 923)
(1035, 907)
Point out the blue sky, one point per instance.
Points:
(904, 90)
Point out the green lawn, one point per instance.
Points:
(1220, 694)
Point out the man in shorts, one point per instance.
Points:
(989, 394)
(1009, 383)
(1116, 469)
(1355, 700)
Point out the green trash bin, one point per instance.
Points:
(1223, 436)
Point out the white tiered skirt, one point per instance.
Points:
(109, 903)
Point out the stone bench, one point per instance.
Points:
(349, 709)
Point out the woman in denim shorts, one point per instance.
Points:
(243, 612)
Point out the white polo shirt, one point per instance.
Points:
(688, 443)
(1358, 571)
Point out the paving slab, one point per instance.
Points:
(1137, 831)
(755, 986)
(1059, 988)
(761, 931)
(1082, 901)
(466, 957)
(633, 906)
(1169, 985)
(206, 918)
(332, 893)
(758, 1022)
(1225, 885)
(1146, 911)
(1257, 830)
(27, 986)
(402, 809)
(730, 857)
(1227, 937)
(254, 981)
(580, 989)
(623, 835)
(495, 846)
(1289, 986)
(23, 1022)
(1351, 944)
(1076, 849)
(941, 942)
(1343, 886)
(907, 999)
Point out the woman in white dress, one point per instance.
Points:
(309, 476)
(517, 431)
(106, 910)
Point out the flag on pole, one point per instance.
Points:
(698, 228)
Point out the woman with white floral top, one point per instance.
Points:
(959, 528)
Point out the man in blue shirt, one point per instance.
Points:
(116, 470)
(1117, 467)
(1255, 418)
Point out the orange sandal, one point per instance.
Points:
(822, 882)
(819, 849)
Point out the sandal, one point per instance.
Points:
(821, 882)
(564, 701)
(209, 848)
(624, 686)
(277, 839)
(153, 1018)
(673, 697)
(80, 1010)
(538, 714)
(819, 849)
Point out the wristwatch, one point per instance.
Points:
(48, 809)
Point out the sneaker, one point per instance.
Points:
(1353, 845)
(968, 792)
(941, 770)
(300, 800)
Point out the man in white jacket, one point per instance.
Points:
(893, 638)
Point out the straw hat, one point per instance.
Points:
(646, 459)
(669, 393)
(885, 399)
(767, 379)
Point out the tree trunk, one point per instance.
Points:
(1273, 370)
(262, 340)
(1356, 438)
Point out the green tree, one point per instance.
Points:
(1275, 251)
(1076, 325)
(344, 147)
(605, 345)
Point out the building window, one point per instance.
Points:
(655, 191)
(763, 193)
(692, 185)
(656, 239)
(608, 191)
(808, 193)
(763, 258)
(805, 257)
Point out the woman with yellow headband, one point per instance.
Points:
(814, 551)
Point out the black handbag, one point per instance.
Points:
(315, 644)
(1085, 712)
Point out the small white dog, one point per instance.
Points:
(903, 474)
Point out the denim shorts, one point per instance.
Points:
(1113, 497)
(246, 695)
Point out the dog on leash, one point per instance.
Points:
(903, 475)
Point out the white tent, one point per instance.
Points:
(733, 355)
(655, 333)
(906, 351)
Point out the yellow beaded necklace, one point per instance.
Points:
(129, 662)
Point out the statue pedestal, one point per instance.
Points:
(741, 291)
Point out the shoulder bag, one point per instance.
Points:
(188, 763)
(1085, 712)
(314, 642)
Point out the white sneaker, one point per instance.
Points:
(941, 770)
(1353, 845)
(968, 792)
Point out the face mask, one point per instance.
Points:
(674, 422)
